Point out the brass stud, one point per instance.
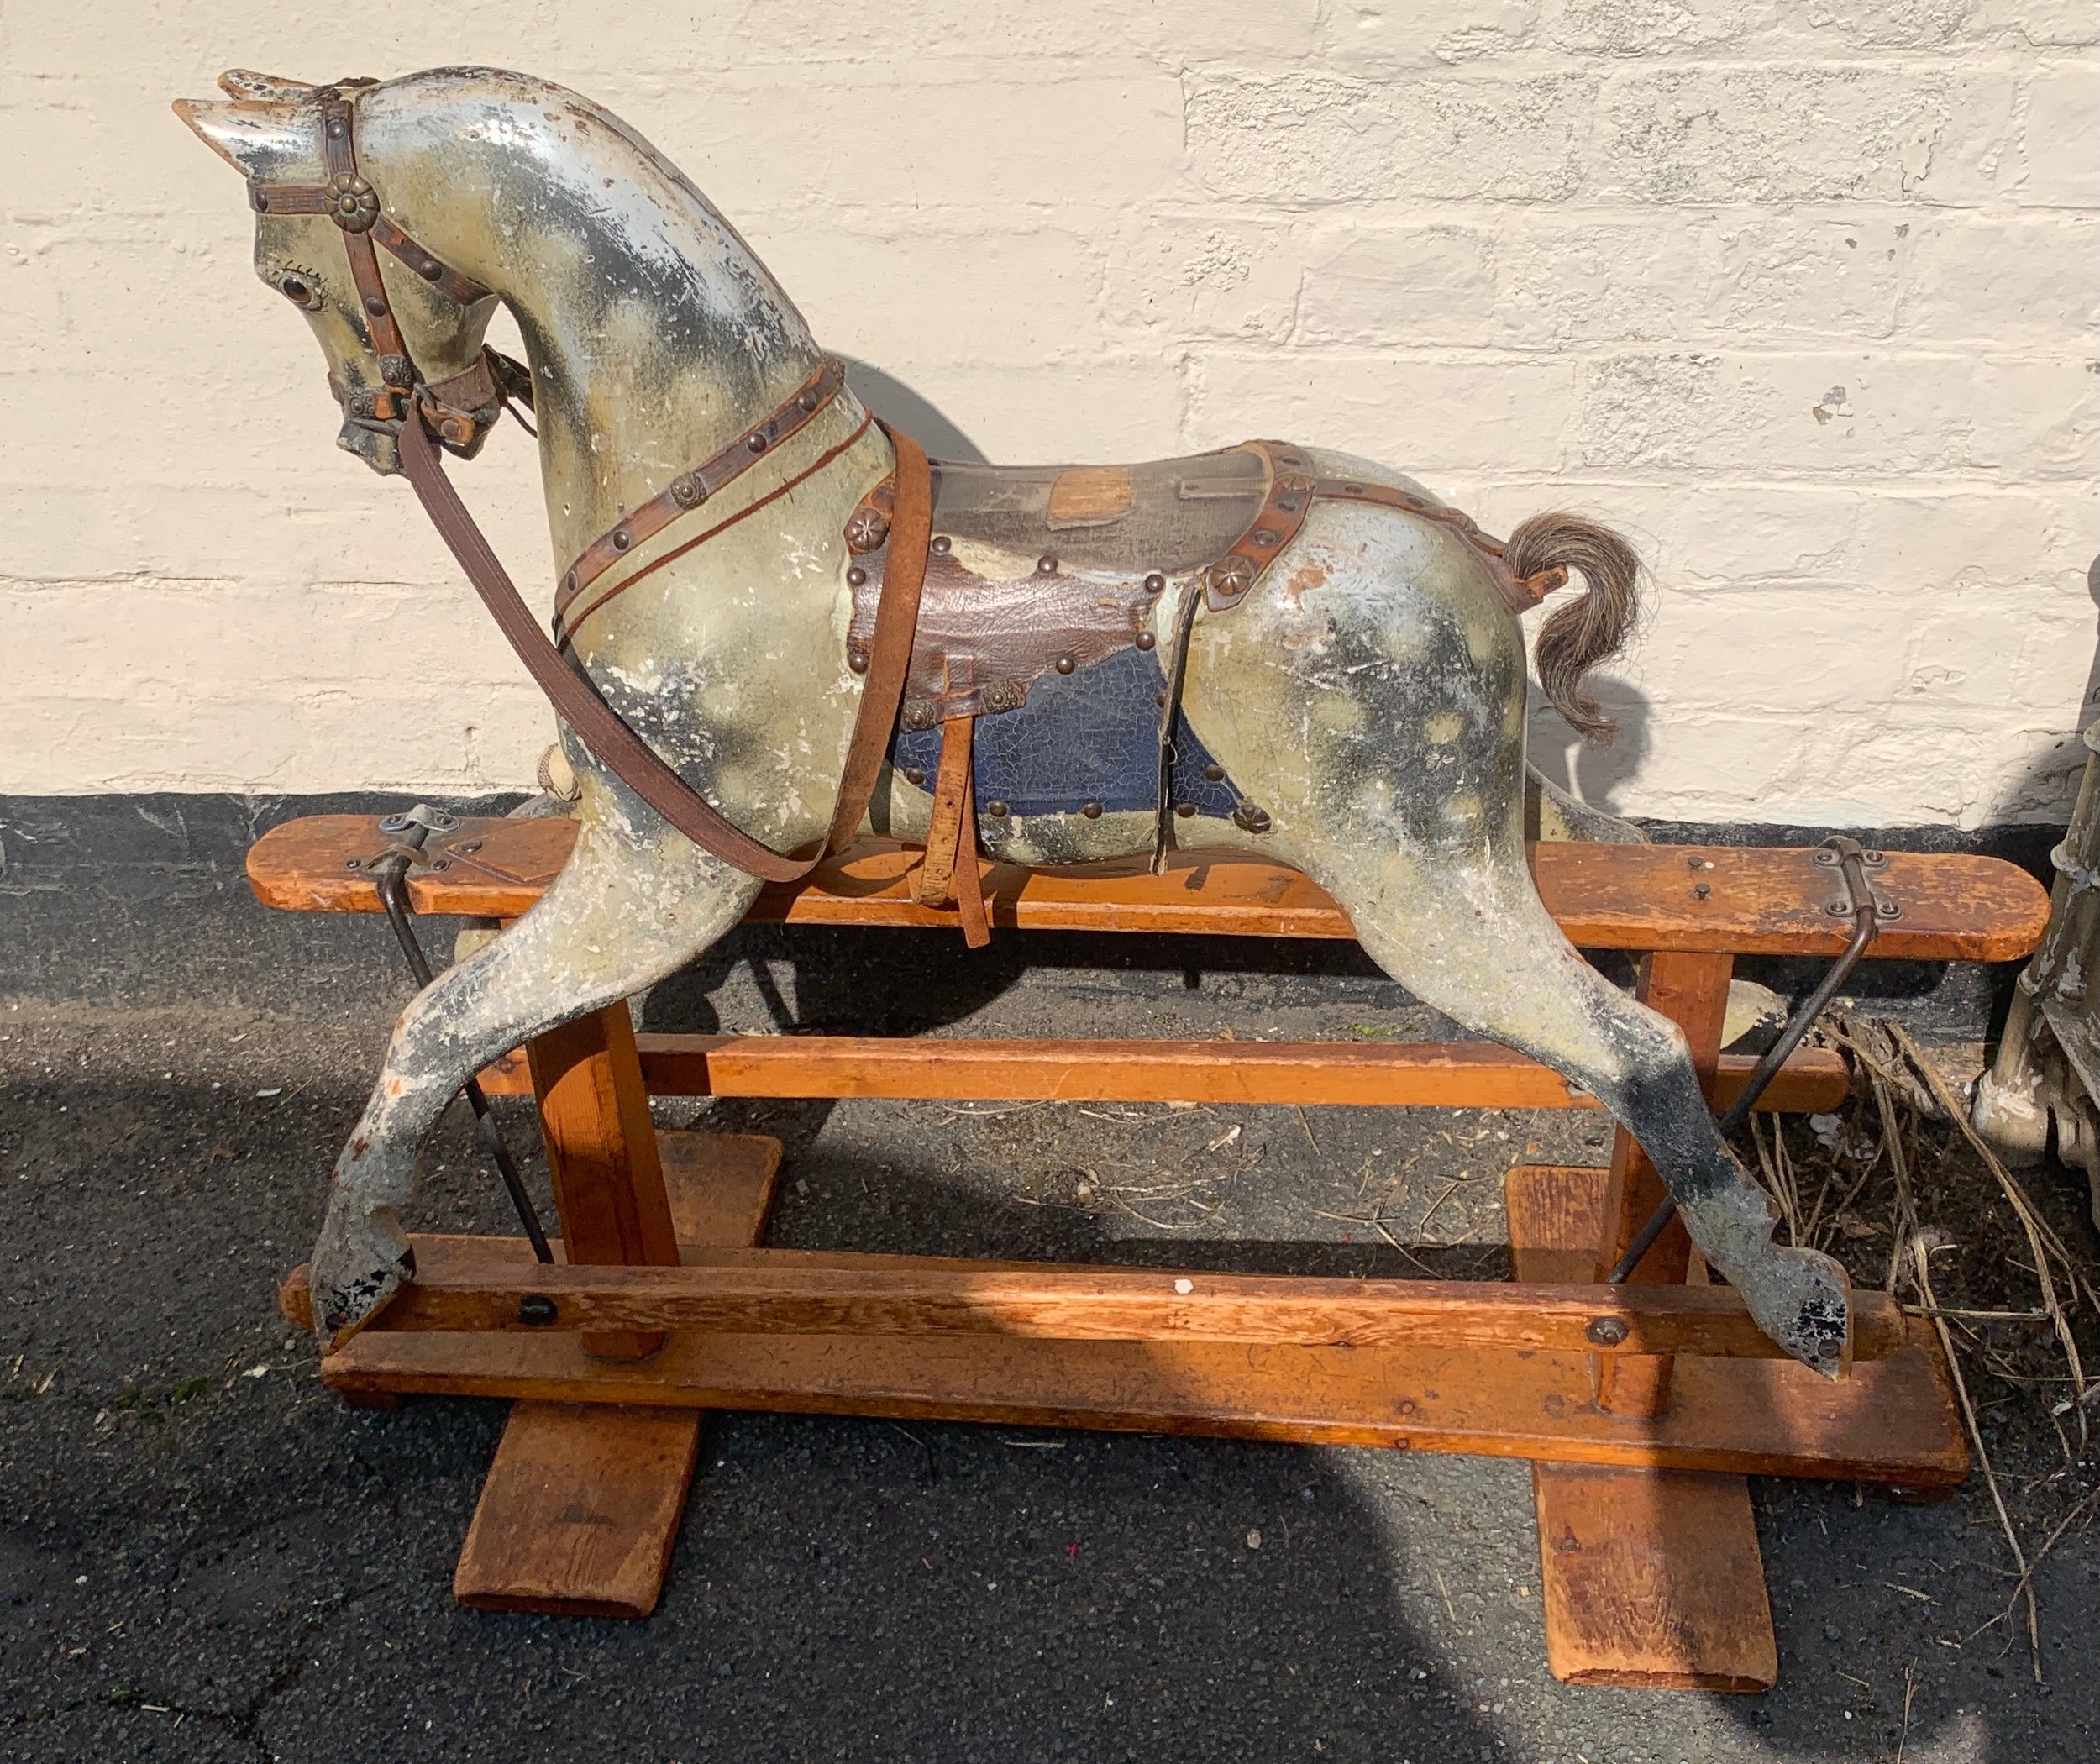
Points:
(1184, 809)
(755, 443)
(996, 808)
(568, 583)
(430, 270)
(942, 544)
(1066, 663)
(1046, 564)
(1092, 811)
(1215, 772)
(621, 538)
(375, 304)
(687, 490)
(856, 577)
(1145, 640)
(1155, 583)
(857, 659)
(1264, 536)
(807, 402)
(914, 774)
(1249, 819)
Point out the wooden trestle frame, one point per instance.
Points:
(665, 1306)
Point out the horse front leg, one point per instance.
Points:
(632, 904)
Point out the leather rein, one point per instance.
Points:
(458, 411)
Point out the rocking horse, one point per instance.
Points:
(780, 629)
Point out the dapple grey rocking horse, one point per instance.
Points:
(1271, 647)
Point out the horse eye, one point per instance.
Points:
(298, 292)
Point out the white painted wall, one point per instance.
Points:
(1801, 293)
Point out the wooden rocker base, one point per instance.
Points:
(1650, 1570)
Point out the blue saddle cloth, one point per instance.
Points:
(1091, 736)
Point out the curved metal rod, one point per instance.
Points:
(1866, 921)
(390, 875)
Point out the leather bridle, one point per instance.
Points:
(458, 411)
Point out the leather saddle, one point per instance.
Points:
(1037, 615)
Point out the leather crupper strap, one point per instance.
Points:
(458, 408)
(1292, 491)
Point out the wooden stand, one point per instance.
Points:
(665, 1307)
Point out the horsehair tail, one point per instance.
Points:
(1587, 631)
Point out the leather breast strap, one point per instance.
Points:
(578, 703)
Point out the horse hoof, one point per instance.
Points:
(357, 1269)
(1801, 1300)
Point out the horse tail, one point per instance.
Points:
(1587, 631)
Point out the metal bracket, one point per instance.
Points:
(1844, 904)
(413, 829)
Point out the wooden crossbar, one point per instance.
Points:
(1405, 1074)
(1740, 901)
(480, 1283)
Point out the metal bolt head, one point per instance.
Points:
(996, 808)
(1145, 640)
(1155, 583)
(914, 774)
(1608, 1331)
(1232, 576)
(856, 577)
(621, 538)
(942, 544)
(1700, 891)
(1046, 564)
(375, 304)
(430, 268)
(1264, 536)
(1215, 772)
(857, 659)
(1250, 818)
(1092, 811)
(537, 1310)
(806, 402)
(687, 490)
(1067, 664)
(755, 444)
(1184, 809)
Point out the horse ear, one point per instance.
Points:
(259, 140)
(244, 82)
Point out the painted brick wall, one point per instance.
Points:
(1799, 293)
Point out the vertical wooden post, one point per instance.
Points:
(583, 1501)
(1691, 990)
(594, 1110)
(1649, 1578)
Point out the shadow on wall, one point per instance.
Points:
(1590, 773)
(2043, 786)
(912, 411)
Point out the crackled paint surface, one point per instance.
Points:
(1369, 694)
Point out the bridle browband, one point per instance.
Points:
(415, 410)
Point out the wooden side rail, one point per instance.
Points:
(1732, 899)
(1403, 1074)
(481, 1284)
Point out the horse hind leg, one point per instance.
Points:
(1468, 934)
(624, 912)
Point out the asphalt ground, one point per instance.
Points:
(203, 1555)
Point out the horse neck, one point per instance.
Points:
(654, 334)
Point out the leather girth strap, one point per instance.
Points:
(577, 702)
(949, 873)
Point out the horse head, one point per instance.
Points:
(417, 327)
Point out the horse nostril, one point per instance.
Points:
(298, 291)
